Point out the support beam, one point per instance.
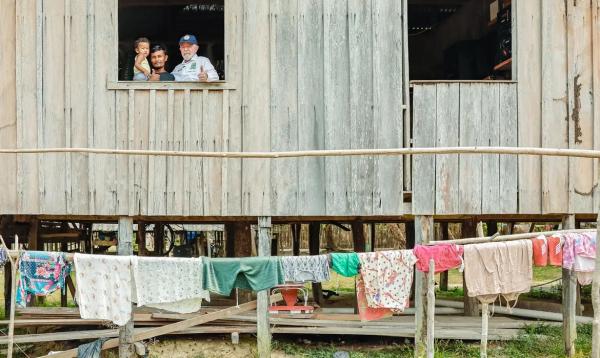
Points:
(125, 248)
(569, 300)
(373, 237)
(296, 231)
(314, 248)
(596, 297)
(431, 310)
(469, 229)
(424, 232)
(33, 243)
(358, 237)
(444, 275)
(141, 239)
(263, 328)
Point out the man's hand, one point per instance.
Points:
(203, 76)
(154, 76)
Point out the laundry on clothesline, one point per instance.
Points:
(345, 264)
(41, 273)
(388, 277)
(540, 251)
(168, 283)
(105, 286)
(579, 255)
(445, 256)
(222, 275)
(366, 313)
(314, 268)
(3, 255)
(498, 268)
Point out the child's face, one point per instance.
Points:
(143, 48)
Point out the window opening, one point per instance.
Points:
(460, 39)
(164, 23)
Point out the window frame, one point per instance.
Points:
(116, 84)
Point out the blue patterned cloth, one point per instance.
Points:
(3, 256)
(41, 273)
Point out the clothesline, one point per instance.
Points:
(501, 238)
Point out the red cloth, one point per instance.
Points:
(446, 257)
(555, 254)
(540, 251)
(366, 313)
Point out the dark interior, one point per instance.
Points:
(164, 22)
(459, 39)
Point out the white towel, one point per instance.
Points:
(104, 287)
(172, 284)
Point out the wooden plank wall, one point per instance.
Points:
(555, 54)
(465, 114)
(311, 74)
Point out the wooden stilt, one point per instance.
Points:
(358, 236)
(314, 248)
(125, 248)
(296, 231)
(13, 291)
(263, 329)
(373, 237)
(431, 310)
(596, 298)
(444, 275)
(484, 329)
(569, 300)
(424, 231)
(469, 229)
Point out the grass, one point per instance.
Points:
(535, 341)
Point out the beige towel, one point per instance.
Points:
(498, 268)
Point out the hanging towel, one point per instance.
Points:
(540, 251)
(92, 349)
(388, 278)
(366, 313)
(221, 275)
(345, 264)
(41, 273)
(104, 287)
(498, 268)
(555, 252)
(579, 255)
(446, 257)
(172, 284)
(305, 268)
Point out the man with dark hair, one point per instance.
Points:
(158, 59)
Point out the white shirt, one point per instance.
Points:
(190, 70)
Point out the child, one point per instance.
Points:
(141, 68)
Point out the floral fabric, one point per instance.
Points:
(172, 284)
(305, 268)
(104, 287)
(388, 277)
(3, 255)
(41, 273)
(579, 255)
(366, 313)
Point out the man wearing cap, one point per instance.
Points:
(193, 67)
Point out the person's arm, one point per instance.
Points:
(138, 64)
(210, 71)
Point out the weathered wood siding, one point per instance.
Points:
(302, 74)
(558, 73)
(464, 114)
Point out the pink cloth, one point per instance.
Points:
(579, 255)
(446, 257)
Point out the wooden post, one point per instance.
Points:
(141, 239)
(33, 234)
(358, 237)
(263, 329)
(13, 291)
(431, 310)
(314, 248)
(373, 237)
(569, 300)
(296, 231)
(469, 229)
(125, 248)
(444, 275)
(596, 297)
(484, 329)
(424, 231)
